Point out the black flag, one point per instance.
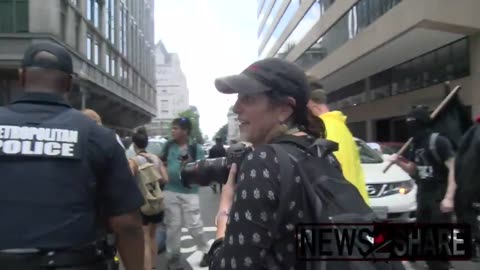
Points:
(453, 120)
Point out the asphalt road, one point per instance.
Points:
(209, 205)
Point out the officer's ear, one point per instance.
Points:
(21, 76)
(70, 81)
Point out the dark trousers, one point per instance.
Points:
(428, 211)
(467, 214)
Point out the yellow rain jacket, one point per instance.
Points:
(348, 154)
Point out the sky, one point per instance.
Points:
(213, 38)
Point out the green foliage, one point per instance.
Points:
(222, 133)
(194, 116)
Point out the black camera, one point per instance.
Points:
(203, 172)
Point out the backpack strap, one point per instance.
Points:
(286, 167)
(287, 160)
(432, 146)
(166, 148)
(192, 148)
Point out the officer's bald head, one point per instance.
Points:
(46, 67)
(39, 79)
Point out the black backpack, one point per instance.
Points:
(330, 197)
(192, 151)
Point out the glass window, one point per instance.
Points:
(78, 21)
(282, 24)
(89, 9)
(264, 10)
(112, 21)
(271, 17)
(74, 2)
(461, 58)
(14, 16)
(361, 15)
(89, 46)
(114, 66)
(107, 62)
(442, 60)
(107, 19)
(120, 32)
(96, 53)
(96, 14)
(63, 20)
(306, 23)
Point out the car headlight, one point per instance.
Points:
(403, 187)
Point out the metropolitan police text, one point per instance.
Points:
(22, 140)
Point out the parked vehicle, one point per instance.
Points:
(392, 194)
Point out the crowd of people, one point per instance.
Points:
(60, 203)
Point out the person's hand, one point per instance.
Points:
(393, 158)
(446, 206)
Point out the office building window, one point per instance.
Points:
(107, 19)
(449, 62)
(14, 16)
(360, 16)
(96, 13)
(107, 62)
(124, 29)
(120, 28)
(89, 7)
(78, 22)
(313, 15)
(74, 2)
(114, 66)
(263, 13)
(63, 20)
(112, 20)
(271, 17)
(282, 24)
(89, 46)
(96, 52)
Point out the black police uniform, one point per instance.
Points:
(432, 181)
(58, 168)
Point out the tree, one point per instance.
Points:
(192, 114)
(222, 133)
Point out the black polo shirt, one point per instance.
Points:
(26, 223)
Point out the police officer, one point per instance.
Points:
(431, 164)
(60, 173)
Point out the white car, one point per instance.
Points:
(392, 194)
(155, 146)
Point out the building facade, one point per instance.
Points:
(378, 58)
(172, 92)
(111, 42)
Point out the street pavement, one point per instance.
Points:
(209, 205)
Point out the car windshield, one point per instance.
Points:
(389, 150)
(367, 154)
(153, 147)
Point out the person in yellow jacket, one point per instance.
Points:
(336, 128)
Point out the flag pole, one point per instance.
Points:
(434, 114)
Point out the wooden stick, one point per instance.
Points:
(400, 152)
(434, 114)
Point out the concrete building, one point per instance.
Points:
(111, 42)
(172, 90)
(377, 58)
(233, 132)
